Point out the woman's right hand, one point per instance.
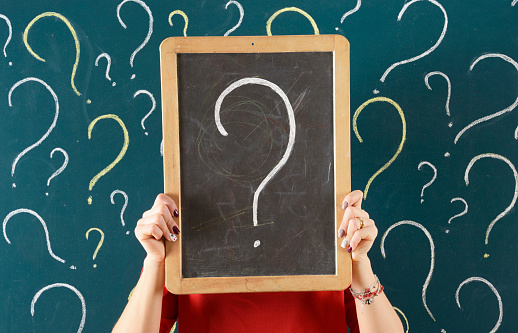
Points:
(157, 223)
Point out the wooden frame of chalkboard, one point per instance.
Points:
(215, 254)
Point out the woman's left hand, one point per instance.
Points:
(357, 227)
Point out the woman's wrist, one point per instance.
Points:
(154, 275)
(154, 262)
(362, 274)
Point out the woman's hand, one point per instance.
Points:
(360, 232)
(157, 223)
(357, 227)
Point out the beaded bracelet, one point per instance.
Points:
(369, 294)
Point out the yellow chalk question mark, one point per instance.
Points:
(290, 9)
(355, 128)
(404, 317)
(74, 35)
(121, 153)
(100, 242)
(185, 18)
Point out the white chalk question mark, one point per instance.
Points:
(108, 65)
(60, 170)
(464, 212)
(241, 15)
(447, 107)
(424, 54)
(496, 114)
(449, 90)
(33, 213)
(150, 29)
(515, 196)
(55, 285)
(432, 250)
(26, 150)
(153, 106)
(123, 207)
(500, 305)
(9, 36)
(431, 181)
(291, 140)
(352, 11)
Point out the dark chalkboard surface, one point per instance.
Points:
(259, 124)
(476, 55)
(220, 174)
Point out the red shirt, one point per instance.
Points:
(316, 311)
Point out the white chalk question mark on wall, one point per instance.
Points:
(500, 305)
(515, 196)
(291, 140)
(352, 11)
(464, 212)
(449, 90)
(241, 15)
(427, 52)
(9, 36)
(33, 213)
(26, 150)
(61, 169)
(123, 207)
(108, 65)
(431, 181)
(447, 106)
(432, 250)
(56, 285)
(150, 30)
(496, 114)
(153, 106)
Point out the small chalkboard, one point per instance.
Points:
(257, 157)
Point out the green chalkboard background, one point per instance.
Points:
(422, 256)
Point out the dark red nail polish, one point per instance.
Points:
(175, 213)
(350, 249)
(176, 230)
(341, 233)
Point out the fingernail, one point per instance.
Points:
(173, 237)
(175, 213)
(176, 230)
(341, 233)
(350, 249)
(344, 243)
(345, 204)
